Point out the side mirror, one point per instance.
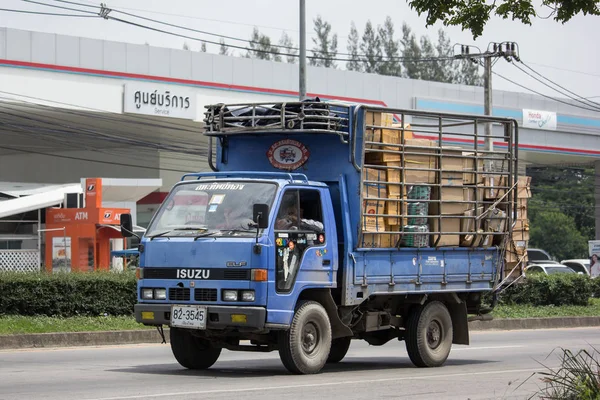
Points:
(126, 225)
(260, 215)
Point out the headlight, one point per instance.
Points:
(160, 294)
(248, 295)
(147, 294)
(230, 295)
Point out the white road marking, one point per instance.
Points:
(325, 384)
(486, 348)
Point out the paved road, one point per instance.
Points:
(493, 367)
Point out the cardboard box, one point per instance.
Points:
(522, 209)
(394, 172)
(495, 186)
(451, 165)
(448, 224)
(473, 227)
(372, 191)
(524, 187)
(512, 255)
(451, 201)
(372, 120)
(424, 165)
(396, 208)
(521, 225)
(472, 195)
(471, 175)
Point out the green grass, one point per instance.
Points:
(527, 311)
(14, 324)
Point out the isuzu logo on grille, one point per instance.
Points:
(193, 273)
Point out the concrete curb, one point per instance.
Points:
(105, 338)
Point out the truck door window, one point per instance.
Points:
(299, 226)
(300, 210)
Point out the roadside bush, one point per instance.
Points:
(67, 294)
(545, 290)
(596, 287)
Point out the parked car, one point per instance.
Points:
(537, 256)
(549, 269)
(578, 265)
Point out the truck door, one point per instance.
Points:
(304, 255)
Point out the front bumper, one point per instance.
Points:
(219, 317)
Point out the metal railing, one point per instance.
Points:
(413, 176)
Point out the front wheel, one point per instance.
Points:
(305, 347)
(429, 335)
(192, 352)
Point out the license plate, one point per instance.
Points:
(188, 316)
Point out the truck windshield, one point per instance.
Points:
(211, 208)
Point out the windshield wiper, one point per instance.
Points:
(161, 234)
(181, 228)
(205, 234)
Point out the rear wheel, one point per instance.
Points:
(429, 335)
(305, 347)
(339, 348)
(192, 352)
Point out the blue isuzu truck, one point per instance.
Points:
(324, 222)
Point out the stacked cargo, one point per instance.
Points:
(436, 197)
(516, 251)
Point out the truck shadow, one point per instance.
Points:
(256, 368)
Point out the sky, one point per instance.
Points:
(566, 54)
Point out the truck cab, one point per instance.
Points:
(278, 245)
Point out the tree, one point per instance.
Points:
(411, 51)
(390, 48)
(223, 49)
(354, 63)
(325, 45)
(472, 15)
(468, 73)
(569, 190)
(261, 47)
(556, 232)
(287, 46)
(370, 47)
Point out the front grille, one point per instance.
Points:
(205, 294)
(182, 294)
(237, 274)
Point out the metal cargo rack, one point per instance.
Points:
(451, 136)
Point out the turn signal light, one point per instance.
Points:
(259, 275)
(139, 273)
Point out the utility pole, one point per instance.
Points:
(506, 50)
(302, 63)
(487, 104)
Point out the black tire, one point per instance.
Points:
(192, 352)
(305, 347)
(339, 348)
(429, 335)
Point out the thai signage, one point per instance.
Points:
(536, 119)
(145, 99)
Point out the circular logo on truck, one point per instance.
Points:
(288, 154)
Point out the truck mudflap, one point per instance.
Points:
(219, 317)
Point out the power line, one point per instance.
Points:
(562, 87)
(565, 69)
(108, 17)
(543, 95)
(47, 13)
(89, 160)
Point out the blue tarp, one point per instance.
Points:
(125, 253)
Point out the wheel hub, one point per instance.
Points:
(310, 338)
(434, 334)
